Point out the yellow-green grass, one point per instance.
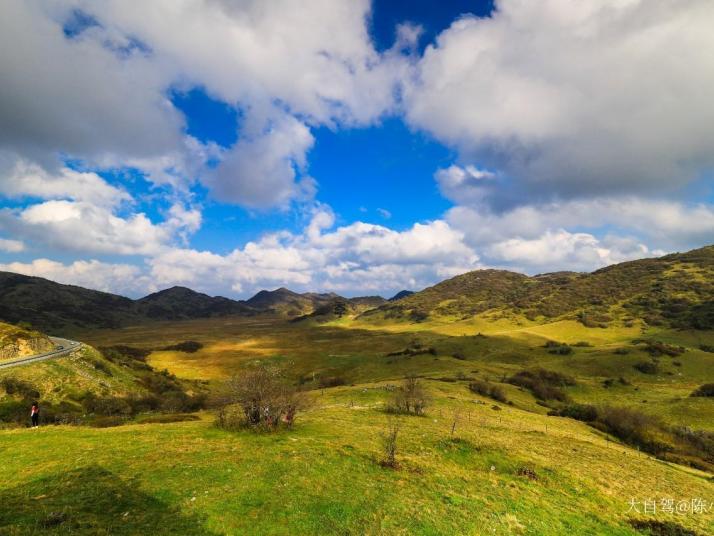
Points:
(69, 377)
(323, 477)
(349, 350)
(23, 342)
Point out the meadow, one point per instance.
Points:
(470, 465)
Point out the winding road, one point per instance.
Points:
(63, 347)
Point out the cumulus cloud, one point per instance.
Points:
(25, 179)
(260, 172)
(465, 184)
(570, 99)
(356, 259)
(76, 96)
(567, 251)
(666, 224)
(11, 246)
(81, 212)
(117, 278)
(93, 80)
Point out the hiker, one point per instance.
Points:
(35, 415)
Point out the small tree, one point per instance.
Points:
(389, 443)
(259, 398)
(409, 398)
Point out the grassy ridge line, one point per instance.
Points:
(675, 290)
(323, 477)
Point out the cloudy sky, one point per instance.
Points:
(347, 145)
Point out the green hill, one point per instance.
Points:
(17, 342)
(181, 303)
(676, 290)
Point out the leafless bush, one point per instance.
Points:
(259, 398)
(410, 398)
(389, 443)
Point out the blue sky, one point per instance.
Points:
(360, 148)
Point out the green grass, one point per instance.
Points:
(323, 477)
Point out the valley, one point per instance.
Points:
(535, 424)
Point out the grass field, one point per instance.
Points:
(357, 352)
(323, 477)
(511, 470)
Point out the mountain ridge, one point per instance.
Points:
(676, 289)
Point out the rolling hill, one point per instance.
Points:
(63, 309)
(675, 290)
(181, 303)
(17, 341)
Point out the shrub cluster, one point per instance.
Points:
(127, 356)
(189, 347)
(558, 348)
(21, 388)
(260, 399)
(706, 390)
(332, 381)
(658, 348)
(489, 390)
(544, 384)
(410, 398)
(646, 367)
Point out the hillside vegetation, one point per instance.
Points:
(492, 403)
(16, 341)
(676, 290)
(66, 309)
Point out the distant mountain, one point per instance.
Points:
(338, 307)
(62, 309)
(177, 303)
(401, 295)
(288, 303)
(52, 307)
(675, 290)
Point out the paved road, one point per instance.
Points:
(63, 347)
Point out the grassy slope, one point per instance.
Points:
(19, 342)
(67, 378)
(675, 290)
(323, 476)
(356, 351)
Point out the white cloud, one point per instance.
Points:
(574, 98)
(260, 172)
(117, 278)
(357, 258)
(665, 224)
(563, 250)
(75, 96)
(465, 184)
(28, 179)
(11, 246)
(100, 95)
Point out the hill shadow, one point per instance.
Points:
(90, 500)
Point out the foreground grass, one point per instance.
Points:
(323, 477)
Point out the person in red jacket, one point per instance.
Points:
(35, 414)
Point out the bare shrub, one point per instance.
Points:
(389, 443)
(544, 384)
(706, 390)
(259, 398)
(410, 398)
(488, 389)
(646, 367)
(633, 427)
